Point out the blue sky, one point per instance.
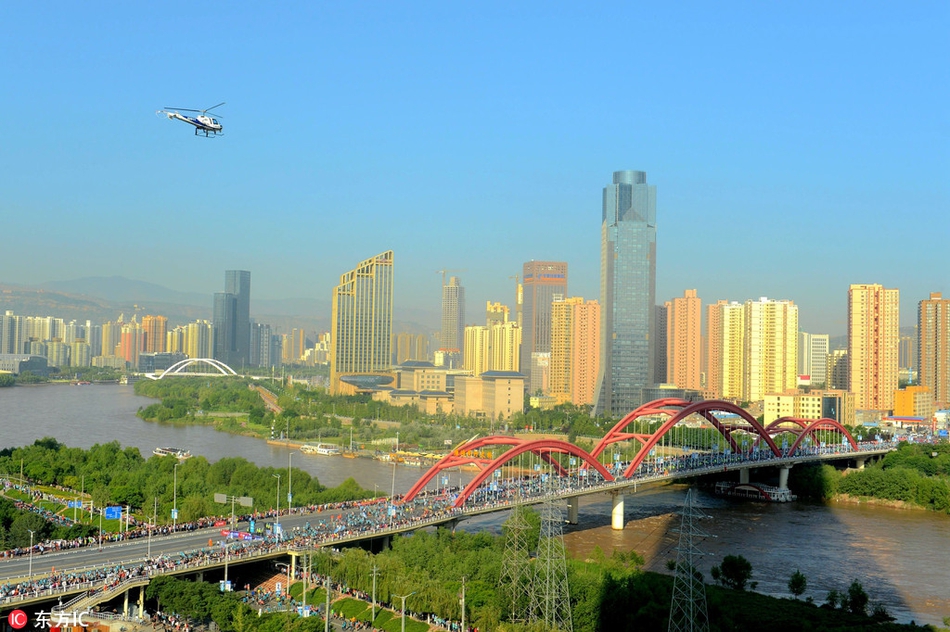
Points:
(796, 147)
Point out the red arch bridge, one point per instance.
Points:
(661, 440)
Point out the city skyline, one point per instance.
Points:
(812, 171)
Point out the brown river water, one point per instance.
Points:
(902, 557)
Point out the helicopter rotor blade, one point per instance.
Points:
(184, 109)
(214, 106)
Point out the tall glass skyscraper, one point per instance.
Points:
(231, 316)
(453, 317)
(362, 323)
(627, 292)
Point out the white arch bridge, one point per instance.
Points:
(206, 367)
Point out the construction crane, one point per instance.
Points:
(444, 271)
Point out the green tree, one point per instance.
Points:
(734, 572)
(857, 598)
(797, 584)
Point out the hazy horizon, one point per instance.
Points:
(796, 149)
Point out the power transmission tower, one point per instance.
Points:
(515, 566)
(688, 609)
(551, 593)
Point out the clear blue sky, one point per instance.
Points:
(796, 147)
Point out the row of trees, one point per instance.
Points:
(110, 474)
(915, 473)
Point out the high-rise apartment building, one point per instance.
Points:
(713, 386)
(660, 342)
(11, 333)
(452, 339)
(873, 341)
(475, 357)
(684, 341)
(575, 350)
(732, 358)
(933, 347)
(908, 352)
(837, 373)
(542, 283)
(131, 342)
(412, 347)
(813, 357)
(362, 322)
(627, 292)
(771, 348)
(492, 347)
(752, 349)
(155, 328)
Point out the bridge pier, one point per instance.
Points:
(141, 601)
(783, 476)
(744, 476)
(859, 462)
(125, 603)
(573, 509)
(616, 512)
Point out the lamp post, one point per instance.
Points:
(404, 597)
(277, 516)
(148, 553)
(290, 480)
(31, 553)
(392, 499)
(244, 501)
(175, 500)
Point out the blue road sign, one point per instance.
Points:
(74, 504)
(113, 513)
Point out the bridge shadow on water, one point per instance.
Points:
(899, 556)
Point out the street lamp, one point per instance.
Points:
(148, 553)
(290, 480)
(403, 597)
(175, 500)
(277, 517)
(31, 553)
(244, 501)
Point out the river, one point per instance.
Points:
(902, 557)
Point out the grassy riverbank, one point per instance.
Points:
(915, 476)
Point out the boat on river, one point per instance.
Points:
(322, 449)
(178, 453)
(755, 491)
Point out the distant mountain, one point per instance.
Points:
(122, 290)
(101, 299)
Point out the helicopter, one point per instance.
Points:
(204, 124)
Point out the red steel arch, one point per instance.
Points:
(538, 446)
(456, 459)
(773, 428)
(705, 408)
(823, 424)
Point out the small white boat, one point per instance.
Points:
(178, 453)
(323, 449)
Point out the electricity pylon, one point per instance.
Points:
(688, 609)
(551, 594)
(516, 566)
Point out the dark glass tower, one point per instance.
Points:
(627, 292)
(232, 320)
